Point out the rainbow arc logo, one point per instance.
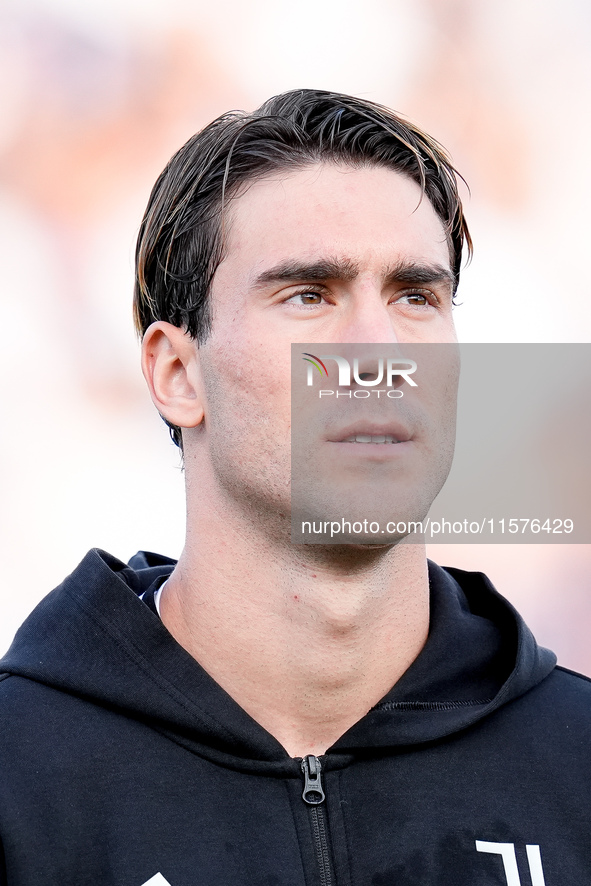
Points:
(315, 361)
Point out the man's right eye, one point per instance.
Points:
(305, 298)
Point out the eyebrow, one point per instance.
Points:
(419, 272)
(323, 269)
(343, 269)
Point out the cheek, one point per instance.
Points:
(247, 420)
(242, 383)
(442, 410)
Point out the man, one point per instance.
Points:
(280, 713)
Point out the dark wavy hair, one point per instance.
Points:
(180, 242)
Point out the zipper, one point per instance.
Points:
(313, 795)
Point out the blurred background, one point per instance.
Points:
(96, 96)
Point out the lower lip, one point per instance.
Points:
(378, 451)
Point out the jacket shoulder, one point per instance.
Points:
(571, 682)
(564, 696)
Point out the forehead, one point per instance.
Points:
(371, 216)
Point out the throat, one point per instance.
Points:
(305, 651)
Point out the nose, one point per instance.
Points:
(368, 320)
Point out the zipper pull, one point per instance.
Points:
(313, 794)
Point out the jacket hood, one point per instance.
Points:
(95, 639)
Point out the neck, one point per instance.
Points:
(305, 638)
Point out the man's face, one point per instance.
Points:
(327, 253)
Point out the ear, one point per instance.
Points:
(171, 367)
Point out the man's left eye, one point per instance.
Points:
(418, 299)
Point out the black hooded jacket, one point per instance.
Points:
(122, 763)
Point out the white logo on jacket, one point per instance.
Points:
(507, 853)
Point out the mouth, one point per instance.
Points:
(371, 438)
(372, 433)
